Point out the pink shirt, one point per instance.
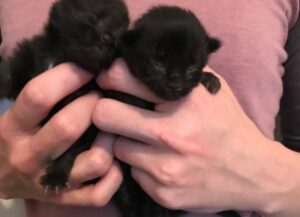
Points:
(253, 35)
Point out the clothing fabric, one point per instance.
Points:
(290, 102)
(253, 35)
(4, 105)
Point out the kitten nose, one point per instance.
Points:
(175, 85)
(174, 81)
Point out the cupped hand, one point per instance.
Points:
(200, 153)
(26, 147)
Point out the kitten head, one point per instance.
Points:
(87, 30)
(167, 50)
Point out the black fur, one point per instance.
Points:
(81, 31)
(166, 50)
(84, 32)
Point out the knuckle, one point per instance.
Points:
(171, 173)
(99, 164)
(165, 133)
(34, 96)
(102, 112)
(169, 138)
(65, 128)
(157, 130)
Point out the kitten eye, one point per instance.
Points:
(192, 70)
(106, 38)
(157, 65)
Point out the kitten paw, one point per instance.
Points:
(211, 82)
(55, 180)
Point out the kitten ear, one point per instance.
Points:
(130, 37)
(213, 44)
(51, 26)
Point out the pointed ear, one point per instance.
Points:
(130, 37)
(51, 26)
(213, 44)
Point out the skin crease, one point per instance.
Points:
(26, 147)
(191, 148)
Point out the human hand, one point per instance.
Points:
(26, 148)
(200, 153)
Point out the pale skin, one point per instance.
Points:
(201, 153)
(202, 149)
(26, 147)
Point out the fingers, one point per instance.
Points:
(97, 195)
(155, 189)
(147, 183)
(164, 165)
(136, 154)
(123, 119)
(119, 78)
(95, 162)
(64, 128)
(43, 92)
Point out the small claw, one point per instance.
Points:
(68, 185)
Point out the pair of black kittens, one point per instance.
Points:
(166, 50)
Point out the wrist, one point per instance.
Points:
(281, 182)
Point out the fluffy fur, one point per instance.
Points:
(166, 50)
(81, 31)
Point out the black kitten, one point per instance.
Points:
(166, 50)
(81, 31)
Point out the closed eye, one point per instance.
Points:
(190, 72)
(158, 66)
